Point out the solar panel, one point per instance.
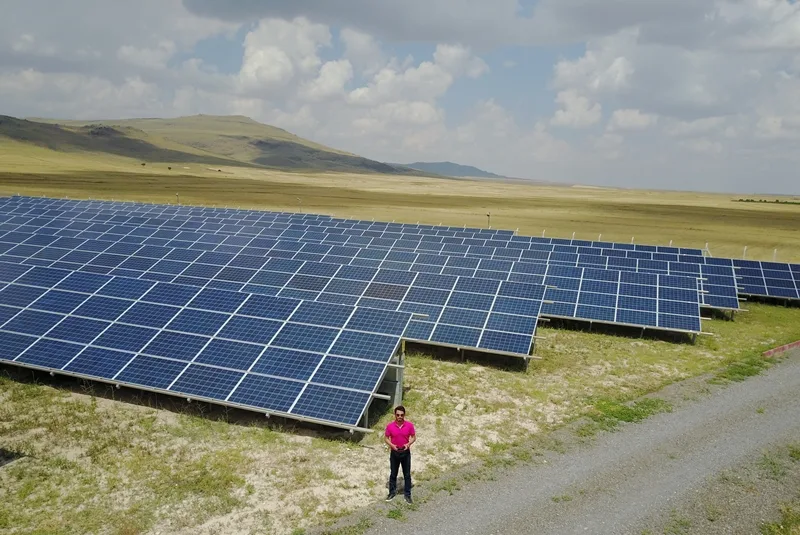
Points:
(386, 295)
(359, 285)
(376, 294)
(366, 233)
(244, 350)
(768, 279)
(718, 284)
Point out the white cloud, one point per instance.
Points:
(458, 60)
(576, 110)
(277, 50)
(631, 119)
(694, 79)
(363, 51)
(155, 57)
(331, 81)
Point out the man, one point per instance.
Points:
(399, 436)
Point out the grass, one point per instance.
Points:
(143, 463)
(200, 140)
(789, 523)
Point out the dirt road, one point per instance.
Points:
(628, 482)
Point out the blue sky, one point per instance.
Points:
(678, 94)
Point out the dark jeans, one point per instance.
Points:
(397, 459)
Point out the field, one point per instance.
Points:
(98, 460)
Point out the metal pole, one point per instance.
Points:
(488, 219)
(744, 253)
(774, 254)
(599, 237)
(631, 239)
(177, 199)
(573, 236)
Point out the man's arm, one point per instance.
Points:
(411, 440)
(388, 442)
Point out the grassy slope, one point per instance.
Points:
(244, 140)
(91, 140)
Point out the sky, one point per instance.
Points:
(665, 94)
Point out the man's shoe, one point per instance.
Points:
(408, 499)
(390, 497)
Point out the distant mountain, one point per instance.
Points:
(207, 139)
(450, 169)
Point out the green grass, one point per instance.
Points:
(789, 523)
(741, 370)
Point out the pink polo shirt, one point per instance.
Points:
(399, 435)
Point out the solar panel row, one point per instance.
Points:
(769, 279)
(100, 207)
(317, 361)
(678, 309)
(365, 233)
(385, 289)
(718, 283)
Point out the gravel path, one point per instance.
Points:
(622, 480)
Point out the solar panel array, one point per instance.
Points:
(643, 300)
(717, 283)
(473, 263)
(455, 304)
(300, 314)
(316, 361)
(323, 229)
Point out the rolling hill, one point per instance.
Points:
(203, 139)
(451, 169)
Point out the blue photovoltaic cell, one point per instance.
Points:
(255, 330)
(229, 354)
(101, 308)
(32, 322)
(198, 322)
(97, 362)
(58, 301)
(12, 345)
(456, 336)
(6, 313)
(287, 363)
(305, 337)
(170, 294)
(49, 353)
(328, 403)
(79, 330)
(378, 321)
(349, 373)
(324, 314)
(149, 315)
(506, 342)
(126, 337)
(268, 393)
(207, 382)
(20, 296)
(217, 300)
(126, 288)
(367, 346)
(176, 345)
